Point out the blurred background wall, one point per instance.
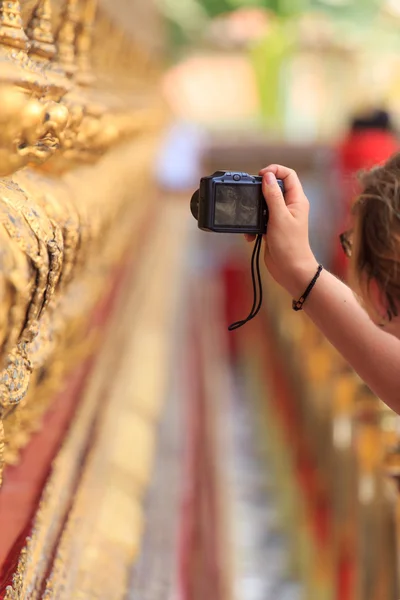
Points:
(279, 81)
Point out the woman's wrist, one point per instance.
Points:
(301, 277)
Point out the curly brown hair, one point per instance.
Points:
(377, 213)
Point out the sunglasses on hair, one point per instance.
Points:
(346, 241)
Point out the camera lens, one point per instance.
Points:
(194, 204)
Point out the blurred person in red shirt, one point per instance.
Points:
(371, 140)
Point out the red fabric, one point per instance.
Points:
(233, 277)
(359, 151)
(198, 552)
(346, 578)
(199, 565)
(364, 149)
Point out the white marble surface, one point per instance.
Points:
(260, 550)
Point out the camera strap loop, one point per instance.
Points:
(256, 280)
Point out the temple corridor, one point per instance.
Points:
(151, 449)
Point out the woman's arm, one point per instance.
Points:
(374, 354)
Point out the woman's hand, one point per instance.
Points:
(288, 255)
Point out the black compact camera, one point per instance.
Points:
(231, 202)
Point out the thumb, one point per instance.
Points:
(273, 194)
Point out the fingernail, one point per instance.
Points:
(270, 178)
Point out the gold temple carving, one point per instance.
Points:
(76, 143)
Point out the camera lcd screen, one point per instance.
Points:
(237, 205)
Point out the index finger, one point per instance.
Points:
(293, 188)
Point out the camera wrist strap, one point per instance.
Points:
(257, 286)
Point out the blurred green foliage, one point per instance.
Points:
(354, 8)
(187, 19)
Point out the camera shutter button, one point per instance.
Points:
(237, 177)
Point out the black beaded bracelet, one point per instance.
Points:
(298, 304)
